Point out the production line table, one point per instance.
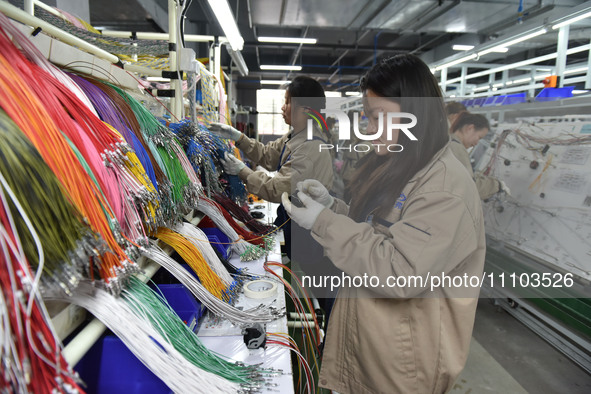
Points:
(233, 346)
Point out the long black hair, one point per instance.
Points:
(378, 182)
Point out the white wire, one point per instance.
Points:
(146, 343)
(198, 238)
(218, 307)
(239, 245)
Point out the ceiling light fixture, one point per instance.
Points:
(272, 82)
(355, 94)
(281, 68)
(288, 40)
(459, 47)
(457, 61)
(513, 42)
(572, 20)
(225, 17)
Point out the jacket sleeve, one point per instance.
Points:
(435, 234)
(305, 162)
(487, 186)
(267, 156)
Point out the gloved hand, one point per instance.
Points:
(317, 191)
(305, 216)
(231, 164)
(225, 131)
(504, 188)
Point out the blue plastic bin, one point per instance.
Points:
(514, 99)
(218, 240)
(551, 94)
(183, 303)
(110, 368)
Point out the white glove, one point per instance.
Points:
(225, 131)
(317, 191)
(504, 188)
(231, 164)
(305, 216)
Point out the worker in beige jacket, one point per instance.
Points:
(414, 215)
(467, 130)
(294, 156)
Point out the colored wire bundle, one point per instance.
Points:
(114, 45)
(196, 236)
(311, 336)
(154, 308)
(24, 106)
(211, 209)
(30, 351)
(146, 342)
(244, 216)
(184, 183)
(261, 314)
(284, 340)
(194, 258)
(57, 223)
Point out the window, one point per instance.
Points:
(270, 120)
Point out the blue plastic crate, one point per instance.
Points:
(110, 368)
(182, 301)
(514, 99)
(218, 240)
(551, 94)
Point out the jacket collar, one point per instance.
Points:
(302, 135)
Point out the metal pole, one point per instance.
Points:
(176, 103)
(444, 80)
(561, 48)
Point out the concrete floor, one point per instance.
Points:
(507, 357)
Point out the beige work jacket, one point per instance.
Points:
(487, 185)
(405, 339)
(293, 156)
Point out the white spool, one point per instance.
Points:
(260, 288)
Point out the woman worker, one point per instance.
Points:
(467, 130)
(414, 214)
(293, 156)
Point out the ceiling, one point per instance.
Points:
(352, 34)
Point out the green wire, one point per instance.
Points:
(147, 303)
(159, 139)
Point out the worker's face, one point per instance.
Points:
(472, 135)
(373, 106)
(286, 109)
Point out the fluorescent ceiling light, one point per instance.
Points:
(356, 94)
(457, 61)
(579, 91)
(283, 68)
(497, 85)
(501, 50)
(576, 70)
(271, 82)
(288, 40)
(480, 88)
(505, 45)
(458, 47)
(571, 20)
(333, 94)
(225, 17)
(522, 80)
